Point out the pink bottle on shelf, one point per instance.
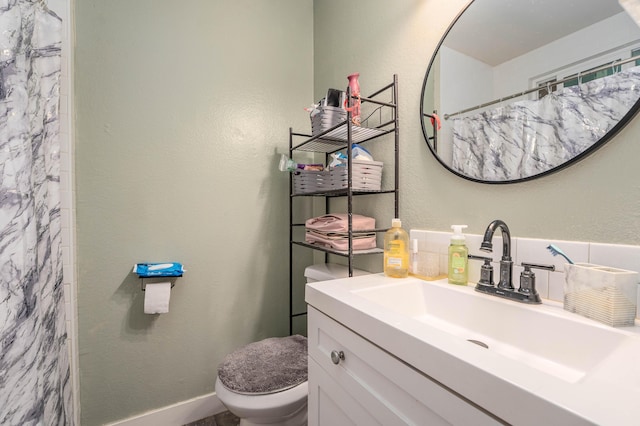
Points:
(354, 86)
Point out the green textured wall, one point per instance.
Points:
(596, 200)
(181, 110)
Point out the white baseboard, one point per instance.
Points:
(177, 414)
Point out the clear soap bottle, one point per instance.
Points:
(396, 251)
(458, 257)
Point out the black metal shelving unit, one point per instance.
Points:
(337, 138)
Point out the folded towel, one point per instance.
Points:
(340, 240)
(340, 222)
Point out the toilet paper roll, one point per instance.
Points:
(156, 298)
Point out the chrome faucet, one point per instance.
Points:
(506, 264)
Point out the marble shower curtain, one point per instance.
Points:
(529, 137)
(35, 387)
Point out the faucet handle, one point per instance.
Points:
(527, 266)
(528, 280)
(474, 257)
(486, 270)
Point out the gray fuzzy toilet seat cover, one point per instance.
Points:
(268, 366)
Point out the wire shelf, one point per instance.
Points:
(339, 252)
(342, 193)
(336, 138)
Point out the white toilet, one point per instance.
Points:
(285, 408)
(266, 382)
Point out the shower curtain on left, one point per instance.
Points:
(35, 387)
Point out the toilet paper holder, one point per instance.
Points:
(156, 271)
(143, 284)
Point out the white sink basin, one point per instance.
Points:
(528, 334)
(542, 365)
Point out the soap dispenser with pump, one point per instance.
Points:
(458, 257)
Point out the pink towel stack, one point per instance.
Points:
(332, 231)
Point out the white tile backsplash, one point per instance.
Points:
(617, 256)
(535, 251)
(549, 284)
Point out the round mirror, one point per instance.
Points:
(519, 89)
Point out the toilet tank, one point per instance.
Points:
(329, 271)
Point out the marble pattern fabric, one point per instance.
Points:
(35, 387)
(529, 137)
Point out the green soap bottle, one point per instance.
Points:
(458, 257)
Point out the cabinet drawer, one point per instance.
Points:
(393, 392)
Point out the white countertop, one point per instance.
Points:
(609, 394)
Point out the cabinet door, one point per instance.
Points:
(370, 379)
(330, 404)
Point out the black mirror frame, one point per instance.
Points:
(601, 142)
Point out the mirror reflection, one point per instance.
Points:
(520, 89)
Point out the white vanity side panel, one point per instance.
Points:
(348, 377)
(393, 392)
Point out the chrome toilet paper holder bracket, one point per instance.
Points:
(157, 280)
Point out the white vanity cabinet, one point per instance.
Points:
(369, 386)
